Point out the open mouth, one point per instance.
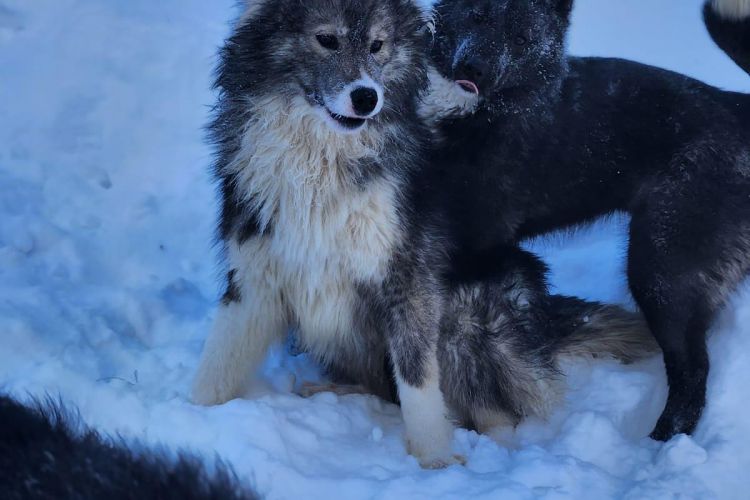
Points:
(468, 86)
(347, 122)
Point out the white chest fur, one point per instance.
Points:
(327, 234)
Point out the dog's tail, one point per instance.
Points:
(591, 329)
(728, 22)
(46, 452)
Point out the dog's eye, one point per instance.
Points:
(520, 40)
(329, 42)
(376, 46)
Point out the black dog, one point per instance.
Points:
(45, 453)
(555, 141)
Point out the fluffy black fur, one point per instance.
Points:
(558, 141)
(45, 453)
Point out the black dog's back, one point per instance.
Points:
(45, 454)
(616, 123)
(739, 105)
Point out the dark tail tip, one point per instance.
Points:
(728, 23)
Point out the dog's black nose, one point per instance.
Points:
(364, 100)
(472, 69)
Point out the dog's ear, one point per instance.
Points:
(564, 6)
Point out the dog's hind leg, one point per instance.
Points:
(249, 319)
(689, 248)
(679, 323)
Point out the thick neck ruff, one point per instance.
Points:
(289, 153)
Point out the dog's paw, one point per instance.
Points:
(209, 392)
(204, 397)
(441, 463)
(434, 456)
(309, 389)
(680, 416)
(662, 432)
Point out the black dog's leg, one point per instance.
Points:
(673, 313)
(689, 248)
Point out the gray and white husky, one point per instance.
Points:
(318, 136)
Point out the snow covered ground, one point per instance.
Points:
(108, 276)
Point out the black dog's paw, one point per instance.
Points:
(672, 423)
(664, 430)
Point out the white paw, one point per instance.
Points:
(309, 389)
(440, 462)
(208, 391)
(436, 454)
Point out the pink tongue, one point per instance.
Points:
(468, 86)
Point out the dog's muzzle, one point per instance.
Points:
(358, 102)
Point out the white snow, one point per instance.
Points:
(108, 276)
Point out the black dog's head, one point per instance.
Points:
(504, 50)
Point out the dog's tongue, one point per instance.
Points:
(468, 86)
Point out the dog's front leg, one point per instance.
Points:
(249, 319)
(413, 309)
(429, 430)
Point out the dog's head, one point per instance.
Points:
(502, 50)
(351, 60)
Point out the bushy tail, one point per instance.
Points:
(591, 329)
(728, 22)
(46, 452)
